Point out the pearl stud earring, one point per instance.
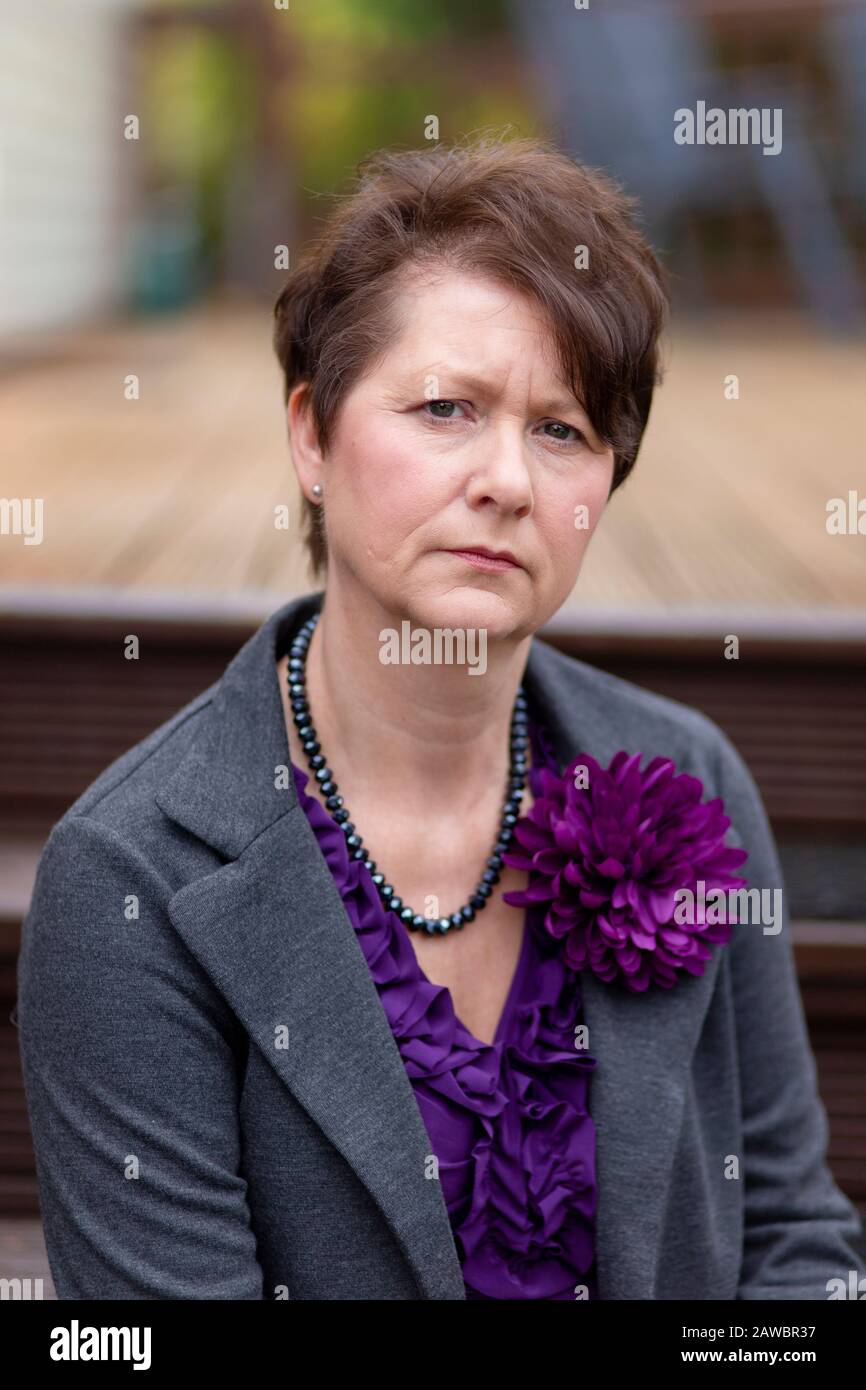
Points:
(316, 489)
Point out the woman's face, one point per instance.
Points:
(462, 435)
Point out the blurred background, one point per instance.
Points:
(161, 164)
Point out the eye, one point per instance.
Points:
(447, 408)
(578, 436)
(443, 410)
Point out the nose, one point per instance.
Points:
(500, 475)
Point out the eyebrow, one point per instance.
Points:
(478, 384)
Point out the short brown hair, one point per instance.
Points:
(516, 211)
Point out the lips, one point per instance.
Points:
(484, 558)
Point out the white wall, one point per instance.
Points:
(64, 166)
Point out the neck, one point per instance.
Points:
(427, 737)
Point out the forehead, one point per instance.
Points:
(452, 303)
(467, 319)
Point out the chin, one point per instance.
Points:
(501, 614)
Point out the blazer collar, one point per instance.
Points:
(270, 929)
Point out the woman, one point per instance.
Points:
(258, 1064)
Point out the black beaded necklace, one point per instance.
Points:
(297, 684)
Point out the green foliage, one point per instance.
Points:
(396, 21)
(197, 102)
(369, 74)
(359, 75)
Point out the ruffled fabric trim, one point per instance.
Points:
(508, 1121)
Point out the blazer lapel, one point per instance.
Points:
(270, 929)
(272, 933)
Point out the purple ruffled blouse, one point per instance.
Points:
(507, 1121)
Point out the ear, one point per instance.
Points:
(307, 457)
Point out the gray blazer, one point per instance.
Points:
(183, 918)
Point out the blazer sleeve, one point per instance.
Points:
(798, 1222)
(132, 1084)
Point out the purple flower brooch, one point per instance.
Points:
(621, 856)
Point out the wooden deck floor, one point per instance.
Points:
(174, 494)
